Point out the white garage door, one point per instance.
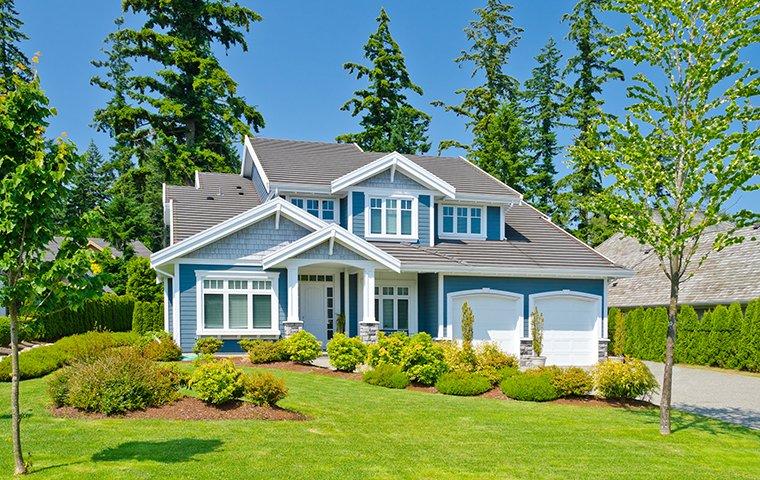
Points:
(498, 318)
(570, 336)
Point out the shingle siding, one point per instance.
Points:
(427, 303)
(322, 251)
(358, 213)
(424, 219)
(383, 180)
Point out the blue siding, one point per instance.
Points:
(358, 213)
(353, 305)
(524, 286)
(424, 219)
(343, 220)
(494, 220)
(427, 303)
(188, 312)
(169, 302)
(435, 223)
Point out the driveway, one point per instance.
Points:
(733, 397)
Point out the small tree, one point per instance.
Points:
(618, 340)
(468, 322)
(141, 281)
(537, 331)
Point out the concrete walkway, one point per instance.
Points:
(733, 397)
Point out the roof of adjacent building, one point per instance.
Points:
(138, 247)
(730, 275)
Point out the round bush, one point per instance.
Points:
(160, 346)
(532, 386)
(263, 351)
(457, 360)
(387, 350)
(346, 353)
(628, 379)
(261, 388)
(463, 384)
(423, 360)
(573, 381)
(387, 375)
(302, 347)
(217, 382)
(490, 360)
(207, 345)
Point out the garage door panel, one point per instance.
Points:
(496, 319)
(570, 336)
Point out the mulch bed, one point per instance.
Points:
(189, 408)
(299, 367)
(590, 401)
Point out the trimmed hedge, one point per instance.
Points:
(387, 375)
(148, 317)
(463, 384)
(107, 313)
(724, 337)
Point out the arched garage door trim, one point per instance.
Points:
(452, 315)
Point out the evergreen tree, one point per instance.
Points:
(90, 183)
(389, 122)
(592, 66)
(545, 96)
(10, 35)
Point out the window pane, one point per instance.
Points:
(298, 202)
(377, 310)
(388, 313)
(375, 221)
(475, 225)
(403, 313)
(391, 214)
(312, 206)
(328, 209)
(213, 316)
(406, 222)
(238, 311)
(448, 219)
(461, 220)
(262, 311)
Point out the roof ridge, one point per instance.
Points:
(318, 142)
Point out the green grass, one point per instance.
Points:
(362, 431)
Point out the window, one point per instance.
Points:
(461, 220)
(392, 307)
(235, 305)
(393, 217)
(324, 209)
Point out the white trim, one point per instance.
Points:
(413, 321)
(166, 303)
(406, 166)
(519, 297)
(219, 261)
(531, 272)
(171, 221)
(398, 197)
(349, 240)
(432, 220)
(197, 180)
(301, 188)
(502, 223)
(441, 332)
(305, 199)
(257, 164)
(605, 319)
(176, 298)
(234, 224)
(350, 212)
(368, 296)
(588, 297)
(467, 235)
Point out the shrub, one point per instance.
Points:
(537, 331)
(5, 331)
(617, 326)
(263, 351)
(423, 360)
(455, 357)
(147, 317)
(628, 379)
(387, 375)
(490, 360)
(262, 388)
(115, 381)
(532, 385)
(302, 347)
(387, 350)
(160, 346)
(462, 383)
(572, 381)
(141, 281)
(340, 323)
(207, 345)
(217, 382)
(107, 313)
(346, 353)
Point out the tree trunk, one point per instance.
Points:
(667, 379)
(15, 413)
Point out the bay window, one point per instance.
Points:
(390, 217)
(236, 305)
(461, 220)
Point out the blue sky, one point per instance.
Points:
(293, 70)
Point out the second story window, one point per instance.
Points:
(391, 217)
(461, 220)
(320, 208)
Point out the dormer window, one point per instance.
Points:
(461, 221)
(391, 217)
(320, 208)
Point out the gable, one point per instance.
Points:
(383, 180)
(322, 251)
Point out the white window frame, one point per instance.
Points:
(368, 197)
(319, 200)
(225, 276)
(476, 236)
(412, 326)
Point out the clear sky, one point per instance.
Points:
(293, 70)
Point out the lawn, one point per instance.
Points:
(361, 431)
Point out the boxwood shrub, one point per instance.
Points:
(207, 345)
(463, 384)
(422, 359)
(217, 381)
(387, 375)
(346, 353)
(387, 350)
(263, 351)
(302, 347)
(263, 388)
(628, 379)
(532, 385)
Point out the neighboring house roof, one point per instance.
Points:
(97, 244)
(730, 275)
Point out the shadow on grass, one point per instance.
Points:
(170, 451)
(683, 420)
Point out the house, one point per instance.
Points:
(308, 231)
(728, 276)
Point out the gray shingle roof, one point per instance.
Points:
(290, 161)
(55, 245)
(731, 275)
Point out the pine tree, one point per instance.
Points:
(10, 36)
(545, 95)
(389, 122)
(90, 183)
(592, 66)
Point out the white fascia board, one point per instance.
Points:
(234, 224)
(256, 163)
(535, 272)
(300, 188)
(335, 232)
(487, 199)
(406, 166)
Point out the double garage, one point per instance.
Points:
(572, 321)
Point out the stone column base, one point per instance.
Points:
(526, 347)
(603, 346)
(368, 331)
(292, 327)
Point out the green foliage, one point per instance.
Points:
(207, 345)
(141, 281)
(90, 183)
(422, 359)
(390, 123)
(340, 323)
(749, 335)
(455, 357)
(105, 313)
(113, 382)
(387, 375)
(262, 388)
(302, 347)
(572, 381)
(346, 353)
(11, 36)
(617, 332)
(387, 350)
(628, 379)
(490, 361)
(468, 321)
(5, 331)
(537, 331)
(160, 346)
(264, 351)
(218, 382)
(532, 385)
(462, 384)
(147, 317)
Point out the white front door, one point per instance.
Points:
(313, 309)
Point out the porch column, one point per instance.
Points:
(293, 323)
(368, 327)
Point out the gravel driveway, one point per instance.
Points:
(733, 397)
